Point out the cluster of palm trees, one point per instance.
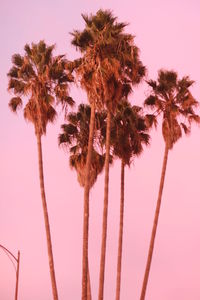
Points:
(109, 127)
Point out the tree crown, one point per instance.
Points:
(172, 98)
(74, 138)
(110, 63)
(41, 78)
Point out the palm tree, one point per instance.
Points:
(74, 137)
(41, 79)
(170, 97)
(128, 135)
(109, 66)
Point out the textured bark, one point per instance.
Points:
(86, 207)
(155, 223)
(120, 241)
(46, 219)
(105, 210)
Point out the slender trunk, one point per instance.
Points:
(105, 210)
(46, 219)
(119, 257)
(155, 223)
(86, 207)
(17, 276)
(89, 293)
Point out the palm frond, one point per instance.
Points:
(150, 101)
(152, 83)
(151, 120)
(15, 103)
(28, 50)
(41, 46)
(17, 60)
(62, 139)
(51, 114)
(194, 118)
(185, 128)
(13, 73)
(18, 86)
(68, 100)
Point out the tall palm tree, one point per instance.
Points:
(74, 137)
(172, 98)
(41, 79)
(128, 136)
(110, 66)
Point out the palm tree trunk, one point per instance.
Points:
(89, 293)
(155, 223)
(105, 210)
(119, 257)
(46, 219)
(86, 207)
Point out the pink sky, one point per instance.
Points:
(167, 33)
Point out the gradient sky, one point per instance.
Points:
(167, 33)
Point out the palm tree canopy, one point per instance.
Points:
(172, 98)
(42, 79)
(110, 62)
(128, 132)
(75, 138)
